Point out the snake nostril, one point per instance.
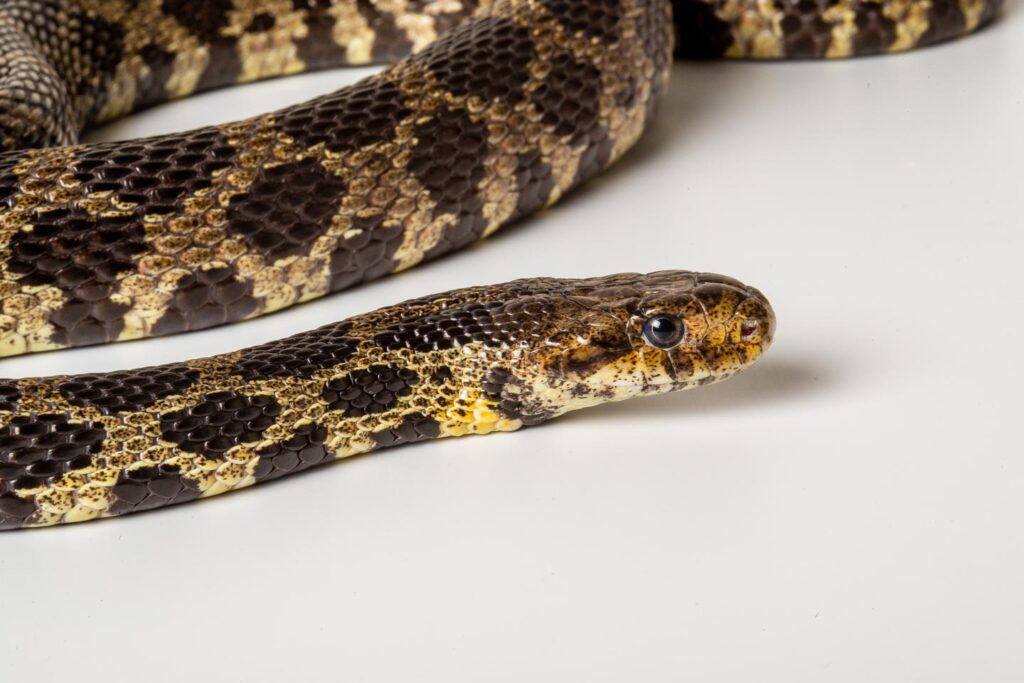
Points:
(750, 328)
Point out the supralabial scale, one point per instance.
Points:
(493, 110)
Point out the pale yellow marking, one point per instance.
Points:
(419, 28)
(422, 235)
(911, 18)
(757, 29)
(352, 32)
(269, 53)
(473, 414)
(843, 19)
(26, 310)
(146, 23)
(972, 11)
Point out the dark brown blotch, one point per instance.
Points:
(415, 427)
(367, 253)
(390, 41)
(491, 324)
(448, 157)
(875, 31)
(597, 19)
(206, 298)
(261, 23)
(207, 19)
(535, 182)
(204, 18)
(805, 32)
(945, 20)
(36, 449)
(286, 209)
(219, 421)
(569, 98)
(300, 355)
(10, 394)
(152, 87)
(147, 488)
(305, 448)
(700, 33)
(129, 390)
(86, 255)
(364, 114)
(488, 58)
(318, 49)
(371, 390)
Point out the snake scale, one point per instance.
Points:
(491, 110)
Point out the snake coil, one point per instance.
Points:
(493, 110)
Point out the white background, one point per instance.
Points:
(851, 509)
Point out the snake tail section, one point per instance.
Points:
(471, 361)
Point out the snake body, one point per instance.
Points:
(471, 361)
(493, 110)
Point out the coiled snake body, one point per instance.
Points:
(501, 107)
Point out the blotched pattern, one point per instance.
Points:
(505, 112)
(471, 361)
(501, 107)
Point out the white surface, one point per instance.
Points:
(849, 510)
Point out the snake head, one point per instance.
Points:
(632, 335)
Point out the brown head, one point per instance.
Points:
(621, 336)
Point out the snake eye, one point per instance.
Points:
(664, 331)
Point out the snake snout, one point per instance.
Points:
(739, 326)
(757, 324)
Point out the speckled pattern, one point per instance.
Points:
(471, 361)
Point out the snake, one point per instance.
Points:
(488, 112)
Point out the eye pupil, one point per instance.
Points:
(664, 331)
